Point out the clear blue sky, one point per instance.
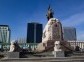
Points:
(17, 13)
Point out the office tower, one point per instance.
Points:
(69, 33)
(34, 32)
(4, 34)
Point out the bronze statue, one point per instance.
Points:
(50, 13)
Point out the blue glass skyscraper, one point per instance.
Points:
(34, 32)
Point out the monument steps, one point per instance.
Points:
(40, 59)
(75, 54)
(76, 57)
(45, 59)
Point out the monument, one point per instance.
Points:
(58, 52)
(51, 33)
(50, 13)
(15, 50)
(14, 47)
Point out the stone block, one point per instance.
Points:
(13, 54)
(58, 53)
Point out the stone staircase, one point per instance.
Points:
(45, 59)
(75, 57)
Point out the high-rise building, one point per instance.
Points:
(34, 32)
(4, 34)
(69, 33)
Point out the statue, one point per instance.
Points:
(58, 52)
(57, 46)
(52, 33)
(50, 13)
(14, 47)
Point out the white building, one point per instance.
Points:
(77, 43)
(4, 34)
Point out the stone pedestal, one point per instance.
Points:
(13, 54)
(58, 53)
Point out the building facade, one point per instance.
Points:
(4, 34)
(34, 33)
(77, 43)
(69, 34)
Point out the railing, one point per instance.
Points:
(77, 43)
(6, 46)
